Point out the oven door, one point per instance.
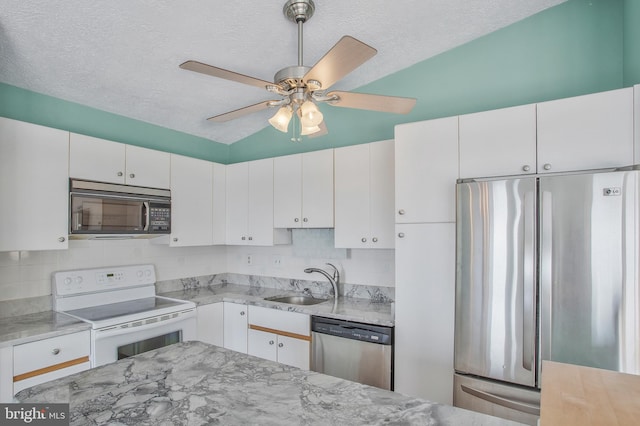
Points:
(110, 344)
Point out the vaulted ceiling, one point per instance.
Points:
(122, 56)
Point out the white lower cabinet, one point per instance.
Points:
(424, 310)
(48, 359)
(235, 327)
(280, 336)
(210, 323)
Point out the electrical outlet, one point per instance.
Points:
(249, 259)
(276, 261)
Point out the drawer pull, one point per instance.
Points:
(51, 368)
(56, 351)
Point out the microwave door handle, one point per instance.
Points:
(146, 213)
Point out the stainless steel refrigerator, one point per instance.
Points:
(547, 269)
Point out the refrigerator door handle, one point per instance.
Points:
(528, 288)
(504, 402)
(546, 296)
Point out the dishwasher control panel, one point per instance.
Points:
(352, 330)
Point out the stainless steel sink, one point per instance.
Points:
(296, 300)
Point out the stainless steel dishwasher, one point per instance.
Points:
(354, 351)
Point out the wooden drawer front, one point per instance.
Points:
(292, 322)
(50, 352)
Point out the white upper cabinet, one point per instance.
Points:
(364, 196)
(219, 204)
(106, 161)
(147, 167)
(34, 187)
(586, 132)
(303, 190)
(249, 214)
(426, 157)
(191, 202)
(501, 142)
(636, 124)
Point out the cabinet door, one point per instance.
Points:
(636, 124)
(317, 189)
(501, 142)
(34, 187)
(211, 323)
(426, 155)
(148, 167)
(352, 221)
(424, 307)
(586, 132)
(260, 213)
(219, 204)
(287, 191)
(235, 327)
(294, 352)
(96, 159)
(381, 194)
(191, 202)
(262, 344)
(237, 203)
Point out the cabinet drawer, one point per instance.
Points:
(291, 322)
(41, 354)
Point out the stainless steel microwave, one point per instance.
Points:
(105, 210)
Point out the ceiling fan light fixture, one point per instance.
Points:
(281, 119)
(310, 115)
(305, 131)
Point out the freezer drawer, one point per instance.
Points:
(496, 399)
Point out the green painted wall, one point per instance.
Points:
(571, 49)
(578, 47)
(36, 108)
(631, 42)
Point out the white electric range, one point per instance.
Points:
(126, 316)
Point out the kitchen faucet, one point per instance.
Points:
(334, 279)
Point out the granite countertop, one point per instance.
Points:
(195, 383)
(42, 325)
(346, 308)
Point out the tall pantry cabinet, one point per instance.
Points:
(426, 170)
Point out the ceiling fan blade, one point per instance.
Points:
(232, 115)
(347, 55)
(226, 74)
(323, 131)
(370, 102)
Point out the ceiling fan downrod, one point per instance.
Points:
(299, 12)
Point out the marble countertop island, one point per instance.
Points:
(193, 383)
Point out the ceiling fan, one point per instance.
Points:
(301, 87)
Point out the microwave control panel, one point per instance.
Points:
(159, 218)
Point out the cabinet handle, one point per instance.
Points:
(401, 235)
(364, 240)
(401, 212)
(526, 168)
(132, 175)
(280, 345)
(241, 313)
(296, 220)
(56, 351)
(62, 239)
(547, 166)
(120, 173)
(175, 239)
(305, 220)
(374, 239)
(271, 342)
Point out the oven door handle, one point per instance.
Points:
(143, 324)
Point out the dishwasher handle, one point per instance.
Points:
(376, 334)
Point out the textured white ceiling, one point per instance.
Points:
(122, 56)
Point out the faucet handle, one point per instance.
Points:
(336, 274)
